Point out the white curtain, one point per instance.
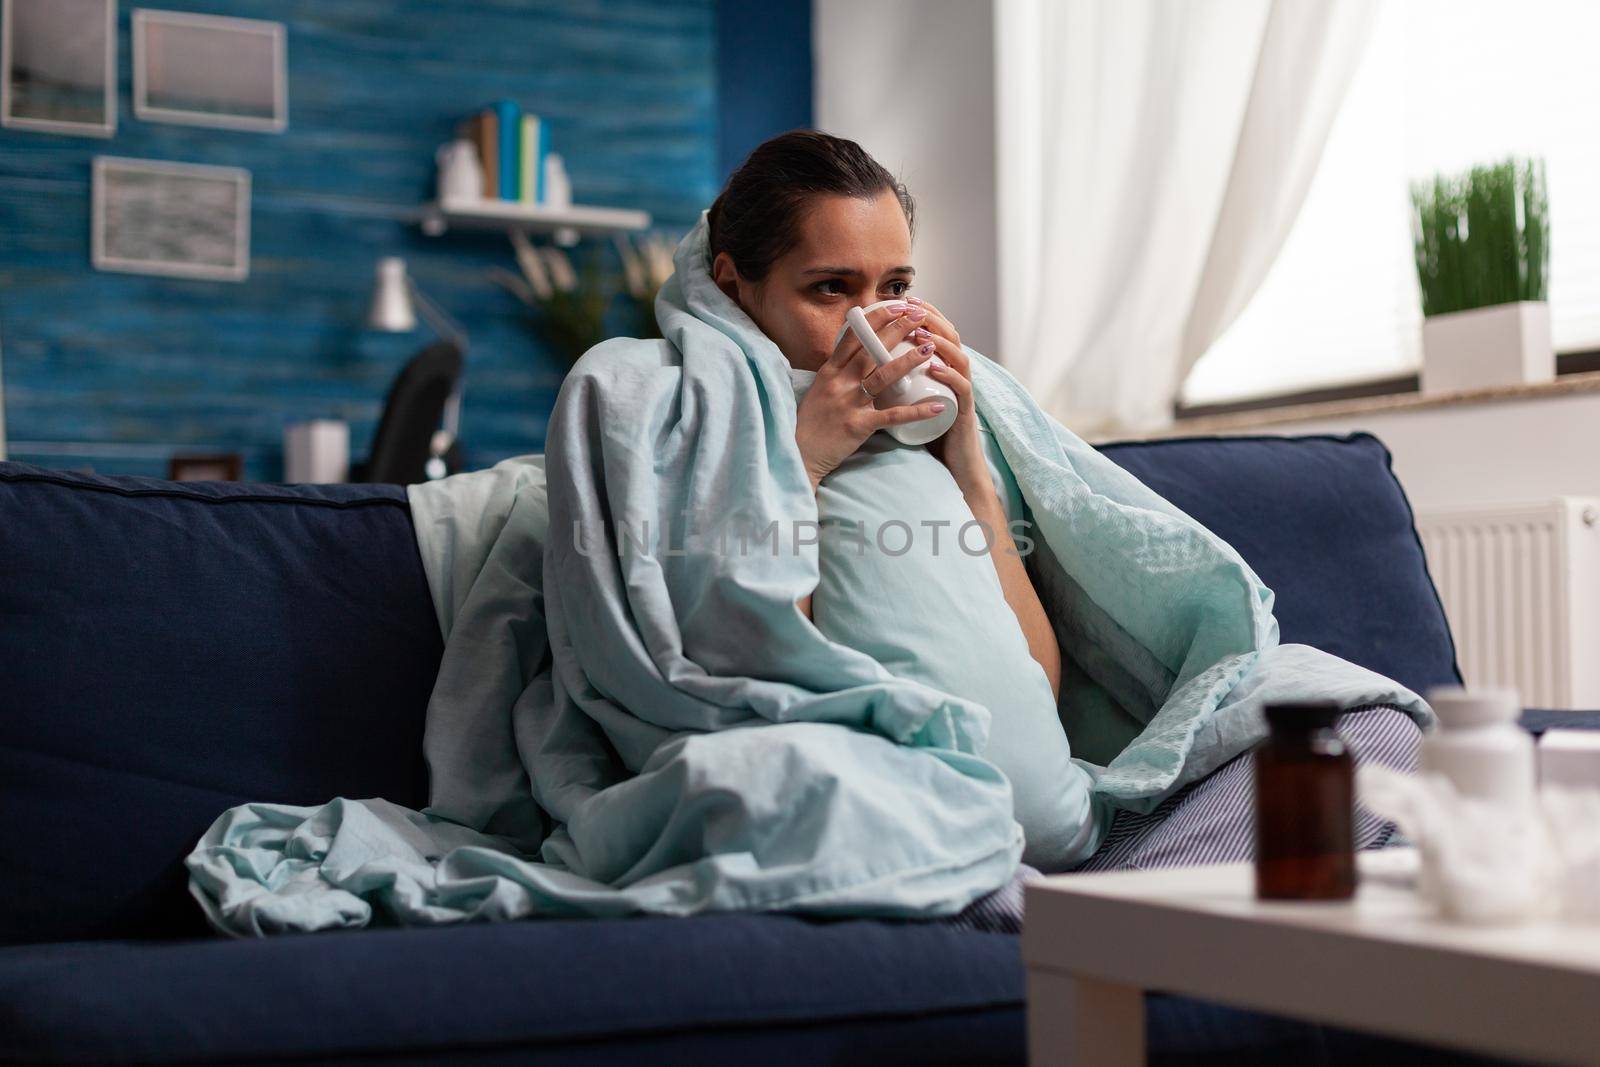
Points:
(1151, 157)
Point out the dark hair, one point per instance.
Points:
(756, 217)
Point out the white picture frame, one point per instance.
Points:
(183, 220)
(210, 70)
(51, 53)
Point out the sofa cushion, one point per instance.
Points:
(765, 989)
(552, 984)
(173, 649)
(1326, 525)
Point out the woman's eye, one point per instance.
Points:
(821, 287)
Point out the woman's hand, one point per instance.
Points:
(837, 413)
(959, 448)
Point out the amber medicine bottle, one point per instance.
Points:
(1305, 806)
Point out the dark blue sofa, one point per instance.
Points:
(169, 650)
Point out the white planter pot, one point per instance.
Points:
(1507, 344)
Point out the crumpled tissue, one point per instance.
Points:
(1489, 862)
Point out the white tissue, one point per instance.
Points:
(1488, 861)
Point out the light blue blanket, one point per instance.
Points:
(629, 717)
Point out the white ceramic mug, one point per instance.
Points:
(916, 386)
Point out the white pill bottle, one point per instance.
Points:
(1478, 745)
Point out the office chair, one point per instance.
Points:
(425, 394)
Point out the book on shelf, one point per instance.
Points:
(535, 146)
(480, 129)
(509, 155)
(512, 148)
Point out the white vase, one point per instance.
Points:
(557, 187)
(460, 175)
(1489, 347)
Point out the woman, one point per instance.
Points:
(810, 226)
(796, 262)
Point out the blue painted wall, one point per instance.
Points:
(117, 371)
(764, 75)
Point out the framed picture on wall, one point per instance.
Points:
(210, 70)
(221, 467)
(186, 220)
(58, 66)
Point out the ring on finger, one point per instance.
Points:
(871, 399)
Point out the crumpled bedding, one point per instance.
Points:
(630, 718)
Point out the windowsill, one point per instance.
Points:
(1562, 385)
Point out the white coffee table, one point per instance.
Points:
(1380, 963)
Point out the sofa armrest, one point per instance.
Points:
(171, 649)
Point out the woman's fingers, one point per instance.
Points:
(939, 322)
(903, 413)
(953, 380)
(889, 323)
(883, 377)
(952, 355)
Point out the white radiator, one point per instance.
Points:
(1521, 587)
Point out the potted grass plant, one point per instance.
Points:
(1482, 241)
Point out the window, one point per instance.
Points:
(1444, 84)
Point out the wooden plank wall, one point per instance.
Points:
(115, 372)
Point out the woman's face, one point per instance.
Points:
(851, 252)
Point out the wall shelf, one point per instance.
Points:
(566, 223)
